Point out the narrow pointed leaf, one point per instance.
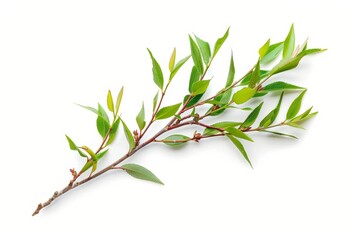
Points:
(102, 126)
(89, 108)
(102, 113)
(118, 100)
(294, 125)
(247, 78)
(113, 132)
(264, 49)
(101, 154)
(243, 95)
(273, 51)
(301, 116)
(72, 145)
(157, 72)
(223, 125)
(110, 102)
(295, 106)
(255, 76)
(167, 112)
(311, 115)
(196, 56)
(280, 134)
(94, 166)
(240, 147)
(252, 117)
(129, 136)
(271, 117)
(140, 118)
(220, 42)
(140, 172)
(199, 87)
(289, 43)
(238, 133)
(194, 77)
(204, 49)
(178, 66)
(81, 153)
(155, 101)
(231, 74)
(172, 60)
(176, 140)
(193, 100)
(280, 86)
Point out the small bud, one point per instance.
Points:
(197, 137)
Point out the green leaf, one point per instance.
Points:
(231, 74)
(196, 56)
(264, 49)
(270, 118)
(279, 133)
(167, 112)
(220, 42)
(101, 154)
(255, 76)
(194, 77)
(102, 113)
(247, 78)
(157, 72)
(295, 106)
(280, 86)
(81, 153)
(118, 100)
(199, 87)
(289, 43)
(260, 94)
(204, 49)
(243, 95)
(295, 125)
(102, 126)
(72, 145)
(89, 108)
(140, 118)
(223, 125)
(155, 101)
(238, 133)
(273, 51)
(113, 132)
(172, 60)
(252, 117)
(86, 166)
(241, 148)
(311, 115)
(178, 66)
(110, 102)
(129, 136)
(140, 172)
(94, 166)
(175, 140)
(301, 116)
(193, 100)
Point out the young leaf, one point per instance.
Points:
(311, 115)
(273, 51)
(167, 112)
(129, 136)
(113, 132)
(140, 118)
(178, 66)
(247, 78)
(223, 125)
(295, 106)
(89, 108)
(172, 60)
(140, 172)
(157, 72)
(101, 154)
(243, 95)
(264, 49)
(241, 148)
(72, 145)
(155, 101)
(301, 116)
(238, 133)
(295, 125)
(280, 86)
(231, 74)
(196, 56)
(220, 42)
(270, 118)
(252, 116)
(102, 113)
(110, 102)
(118, 100)
(255, 76)
(199, 87)
(280, 134)
(289, 43)
(194, 77)
(175, 140)
(102, 126)
(204, 49)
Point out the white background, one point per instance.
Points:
(56, 53)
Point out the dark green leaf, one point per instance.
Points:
(113, 131)
(279, 133)
(295, 106)
(238, 133)
(205, 49)
(222, 125)
(178, 66)
(194, 77)
(155, 101)
(102, 126)
(110, 102)
(289, 43)
(175, 140)
(255, 76)
(199, 87)
(140, 172)
(241, 148)
(89, 108)
(264, 49)
(243, 95)
(157, 72)
(270, 118)
(231, 74)
(129, 136)
(280, 86)
(140, 118)
(273, 51)
(193, 100)
(118, 100)
(220, 42)
(72, 145)
(167, 112)
(101, 154)
(252, 117)
(172, 60)
(196, 56)
(260, 94)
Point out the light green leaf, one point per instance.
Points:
(194, 77)
(102, 126)
(301, 116)
(255, 76)
(140, 118)
(295, 125)
(289, 43)
(129, 136)
(172, 60)
(264, 49)
(155, 101)
(205, 49)
(196, 56)
(252, 117)
(102, 113)
(118, 100)
(238, 133)
(280, 86)
(243, 95)
(140, 172)
(94, 166)
(175, 140)
(86, 166)
(110, 102)
(272, 53)
(101, 154)
(178, 66)
(113, 132)
(72, 145)
(199, 87)
(81, 153)
(220, 42)
(295, 106)
(231, 74)
(270, 118)
(89, 108)
(311, 115)
(279, 133)
(167, 112)
(157, 72)
(222, 125)
(241, 148)
(247, 78)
